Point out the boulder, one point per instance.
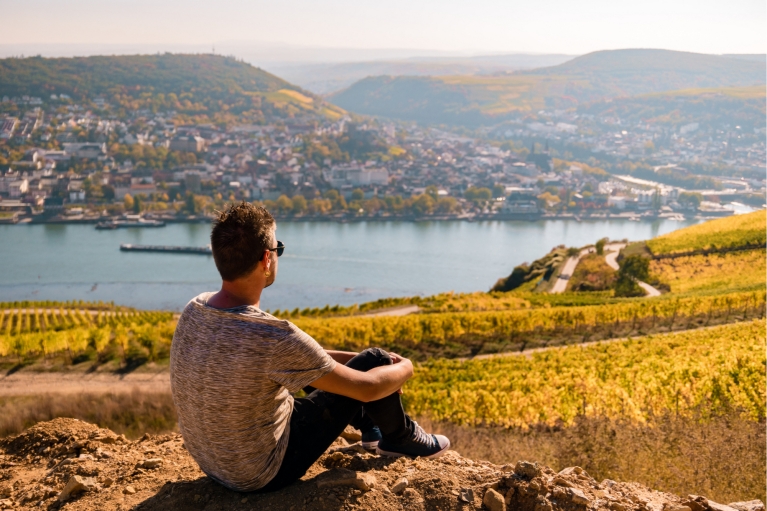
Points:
(494, 500)
(75, 485)
(342, 477)
(527, 470)
(751, 505)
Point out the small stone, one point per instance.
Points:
(399, 486)
(411, 494)
(561, 481)
(359, 480)
(244, 501)
(351, 434)
(466, 495)
(527, 470)
(494, 501)
(751, 505)
(107, 482)
(130, 490)
(149, 463)
(675, 507)
(75, 485)
(578, 497)
(571, 471)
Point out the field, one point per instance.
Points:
(635, 379)
(733, 270)
(730, 232)
(82, 334)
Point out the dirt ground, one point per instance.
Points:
(66, 463)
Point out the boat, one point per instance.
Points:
(128, 247)
(129, 221)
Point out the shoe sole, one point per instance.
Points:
(393, 454)
(370, 446)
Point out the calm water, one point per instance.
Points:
(324, 263)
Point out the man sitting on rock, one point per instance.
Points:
(233, 368)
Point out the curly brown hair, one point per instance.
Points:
(240, 236)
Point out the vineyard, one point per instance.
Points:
(734, 270)
(465, 334)
(84, 334)
(723, 233)
(712, 369)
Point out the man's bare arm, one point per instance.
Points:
(342, 357)
(366, 386)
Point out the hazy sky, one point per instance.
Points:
(476, 26)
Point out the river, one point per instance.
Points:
(324, 262)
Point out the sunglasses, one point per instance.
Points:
(280, 248)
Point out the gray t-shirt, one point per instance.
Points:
(232, 372)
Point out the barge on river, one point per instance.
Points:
(127, 247)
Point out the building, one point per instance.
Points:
(189, 144)
(88, 150)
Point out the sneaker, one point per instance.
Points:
(420, 444)
(370, 438)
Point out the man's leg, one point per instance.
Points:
(319, 418)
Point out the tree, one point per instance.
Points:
(358, 194)
(633, 268)
(299, 204)
(190, 205)
(656, 201)
(284, 204)
(600, 246)
(128, 202)
(499, 191)
(423, 205)
(690, 200)
(432, 191)
(137, 204)
(447, 205)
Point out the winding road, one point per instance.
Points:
(612, 250)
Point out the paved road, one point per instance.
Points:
(561, 284)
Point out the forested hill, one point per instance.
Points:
(473, 100)
(201, 85)
(642, 71)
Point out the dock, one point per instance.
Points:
(127, 247)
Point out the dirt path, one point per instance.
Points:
(402, 310)
(28, 383)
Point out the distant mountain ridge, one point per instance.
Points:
(202, 84)
(326, 78)
(477, 100)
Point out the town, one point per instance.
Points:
(68, 161)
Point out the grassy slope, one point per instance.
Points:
(732, 231)
(702, 273)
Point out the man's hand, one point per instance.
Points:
(366, 386)
(396, 359)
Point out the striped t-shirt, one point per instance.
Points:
(232, 372)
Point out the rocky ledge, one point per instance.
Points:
(66, 463)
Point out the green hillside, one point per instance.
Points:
(730, 232)
(475, 100)
(641, 71)
(739, 106)
(212, 86)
